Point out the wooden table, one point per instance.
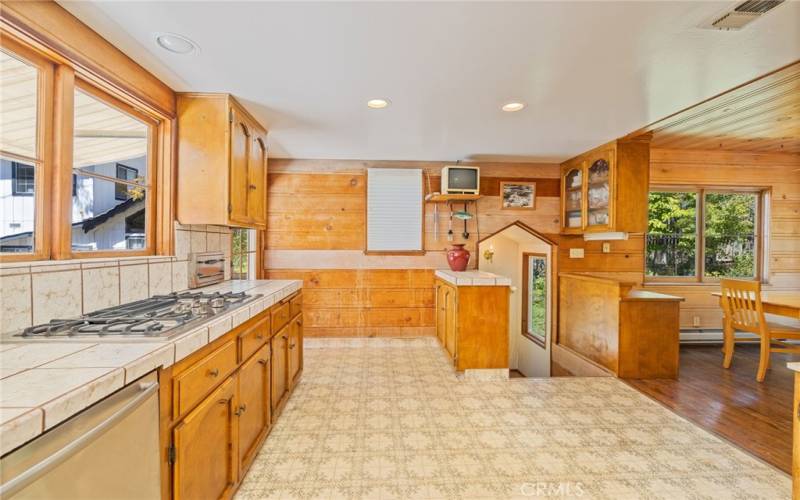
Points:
(782, 302)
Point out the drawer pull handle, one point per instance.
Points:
(242, 409)
(252, 186)
(299, 322)
(284, 337)
(263, 361)
(214, 372)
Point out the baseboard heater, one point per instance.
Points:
(708, 336)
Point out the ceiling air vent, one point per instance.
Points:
(743, 14)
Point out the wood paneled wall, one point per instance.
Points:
(775, 171)
(316, 232)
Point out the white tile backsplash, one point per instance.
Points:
(56, 295)
(100, 288)
(16, 306)
(36, 292)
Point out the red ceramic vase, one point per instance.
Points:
(458, 257)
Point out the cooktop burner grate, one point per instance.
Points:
(144, 318)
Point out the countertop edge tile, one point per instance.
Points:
(20, 428)
(65, 406)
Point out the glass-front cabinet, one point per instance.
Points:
(605, 189)
(572, 196)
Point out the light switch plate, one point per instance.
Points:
(606, 247)
(576, 253)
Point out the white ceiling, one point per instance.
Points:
(589, 71)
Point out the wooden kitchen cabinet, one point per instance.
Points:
(222, 155)
(295, 349)
(254, 410)
(606, 189)
(472, 324)
(205, 444)
(217, 403)
(280, 368)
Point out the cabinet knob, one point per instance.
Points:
(214, 372)
(259, 337)
(299, 322)
(263, 361)
(252, 186)
(242, 409)
(284, 337)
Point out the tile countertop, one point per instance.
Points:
(472, 278)
(45, 383)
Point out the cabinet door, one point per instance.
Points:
(280, 347)
(295, 349)
(239, 163)
(254, 409)
(205, 447)
(450, 322)
(257, 193)
(599, 191)
(572, 198)
(440, 313)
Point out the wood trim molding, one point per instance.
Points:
(53, 28)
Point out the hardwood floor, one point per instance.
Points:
(755, 416)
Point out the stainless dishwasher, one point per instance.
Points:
(108, 451)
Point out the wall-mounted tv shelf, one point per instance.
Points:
(449, 198)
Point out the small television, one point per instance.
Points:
(461, 180)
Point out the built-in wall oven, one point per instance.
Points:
(108, 451)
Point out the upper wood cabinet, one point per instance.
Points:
(222, 163)
(606, 189)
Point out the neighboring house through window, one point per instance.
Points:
(125, 173)
(23, 183)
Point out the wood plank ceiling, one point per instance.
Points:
(760, 116)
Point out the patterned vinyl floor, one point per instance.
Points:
(389, 419)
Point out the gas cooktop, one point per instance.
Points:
(159, 317)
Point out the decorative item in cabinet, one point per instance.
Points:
(222, 156)
(573, 198)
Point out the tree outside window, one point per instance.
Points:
(720, 226)
(243, 254)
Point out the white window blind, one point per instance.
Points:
(394, 209)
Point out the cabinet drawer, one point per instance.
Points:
(252, 339)
(191, 385)
(296, 305)
(281, 313)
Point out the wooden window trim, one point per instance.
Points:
(541, 342)
(60, 75)
(43, 160)
(760, 233)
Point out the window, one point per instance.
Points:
(534, 322)
(243, 254)
(63, 200)
(394, 210)
(111, 161)
(23, 179)
(123, 191)
(703, 234)
(22, 76)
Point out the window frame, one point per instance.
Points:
(541, 341)
(42, 162)
(762, 200)
(255, 249)
(60, 74)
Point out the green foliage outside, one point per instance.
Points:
(239, 259)
(538, 297)
(730, 222)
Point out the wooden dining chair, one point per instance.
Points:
(741, 303)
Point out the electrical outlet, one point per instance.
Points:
(695, 320)
(606, 247)
(576, 253)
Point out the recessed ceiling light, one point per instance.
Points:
(177, 44)
(510, 107)
(377, 103)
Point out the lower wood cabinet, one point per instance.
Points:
(219, 403)
(280, 368)
(295, 350)
(472, 324)
(205, 444)
(254, 410)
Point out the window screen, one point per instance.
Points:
(394, 210)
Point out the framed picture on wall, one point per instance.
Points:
(517, 195)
